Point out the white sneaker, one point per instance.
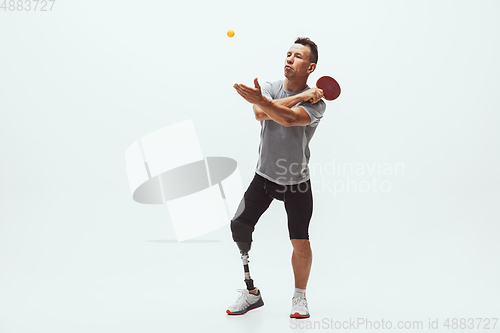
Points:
(299, 308)
(245, 302)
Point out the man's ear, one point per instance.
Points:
(311, 68)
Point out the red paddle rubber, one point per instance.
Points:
(330, 87)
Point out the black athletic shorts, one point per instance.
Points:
(297, 198)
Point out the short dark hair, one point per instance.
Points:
(314, 48)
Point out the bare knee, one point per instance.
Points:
(301, 246)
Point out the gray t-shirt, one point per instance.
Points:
(284, 151)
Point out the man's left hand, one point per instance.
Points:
(251, 95)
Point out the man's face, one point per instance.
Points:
(297, 62)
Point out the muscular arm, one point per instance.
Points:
(283, 115)
(259, 114)
(286, 102)
(279, 110)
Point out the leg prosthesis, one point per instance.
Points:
(242, 235)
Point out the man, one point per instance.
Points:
(289, 112)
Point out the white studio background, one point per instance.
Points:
(80, 83)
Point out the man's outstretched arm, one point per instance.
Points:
(288, 102)
(259, 114)
(279, 110)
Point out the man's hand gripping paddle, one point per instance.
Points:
(330, 87)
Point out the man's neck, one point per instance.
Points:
(295, 86)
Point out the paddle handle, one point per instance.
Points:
(311, 100)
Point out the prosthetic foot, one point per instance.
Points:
(246, 301)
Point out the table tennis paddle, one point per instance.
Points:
(330, 87)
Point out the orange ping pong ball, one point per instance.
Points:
(230, 33)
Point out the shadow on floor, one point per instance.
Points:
(186, 241)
